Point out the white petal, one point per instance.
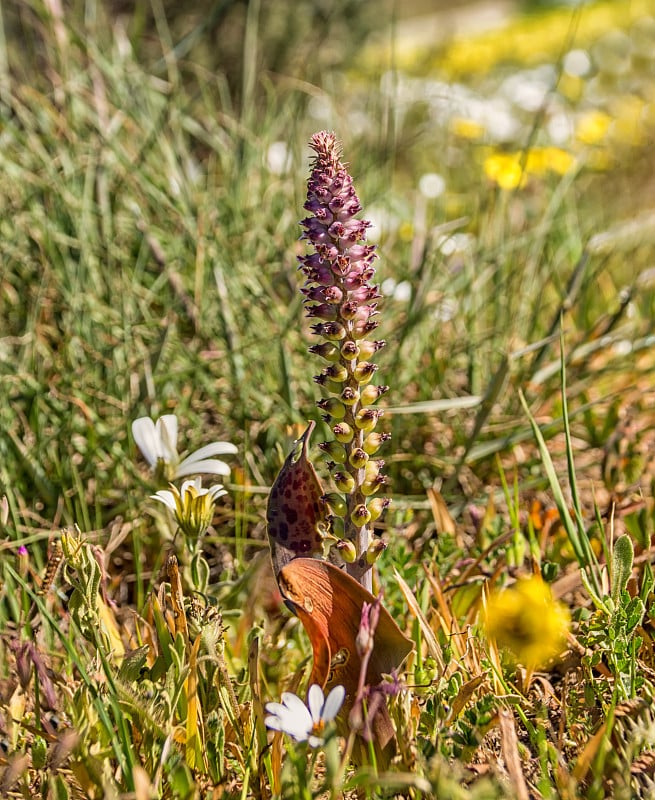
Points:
(165, 497)
(146, 438)
(167, 430)
(211, 466)
(213, 449)
(194, 484)
(315, 701)
(314, 741)
(333, 703)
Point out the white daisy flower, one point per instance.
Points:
(305, 723)
(158, 443)
(192, 506)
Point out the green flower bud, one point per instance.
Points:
(335, 408)
(366, 419)
(371, 485)
(371, 393)
(334, 451)
(344, 482)
(349, 396)
(368, 349)
(360, 516)
(336, 372)
(374, 441)
(336, 503)
(346, 550)
(343, 432)
(375, 550)
(326, 350)
(349, 350)
(364, 371)
(334, 331)
(358, 458)
(377, 505)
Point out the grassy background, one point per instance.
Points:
(148, 266)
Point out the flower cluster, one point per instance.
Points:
(339, 294)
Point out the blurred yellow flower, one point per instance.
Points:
(466, 128)
(558, 160)
(505, 170)
(592, 127)
(526, 620)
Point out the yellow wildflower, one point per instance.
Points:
(526, 620)
(592, 127)
(466, 128)
(505, 170)
(558, 160)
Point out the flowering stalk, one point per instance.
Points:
(339, 294)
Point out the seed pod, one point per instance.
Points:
(374, 441)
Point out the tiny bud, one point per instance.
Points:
(333, 295)
(349, 396)
(371, 485)
(343, 432)
(346, 550)
(334, 451)
(368, 349)
(336, 503)
(373, 468)
(367, 418)
(363, 372)
(372, 393)
(335, 408)
(374, 441)
(336, 372)
(349, 309)
(344, 482)
(330, 330)
(349, 350)
(326, 350)
(377, 505)
(322, 311)
(375, 550)
(358, 458)
(360, 516)
(362, 329)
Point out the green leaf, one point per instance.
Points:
(622, 560)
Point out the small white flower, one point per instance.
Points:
(158, 443)
(305, 723)
(192, 506)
